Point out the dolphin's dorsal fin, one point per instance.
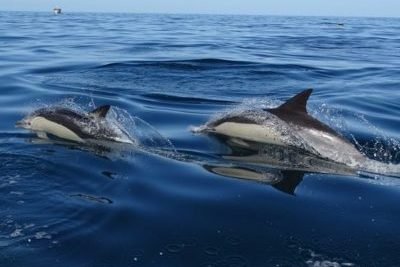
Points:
(298, 103)
(100, 112)
(290, 182)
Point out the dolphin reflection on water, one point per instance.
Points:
(278, 166)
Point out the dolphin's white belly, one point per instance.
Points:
(250, 132)
(42, 124)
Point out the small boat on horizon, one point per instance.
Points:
(57, 10)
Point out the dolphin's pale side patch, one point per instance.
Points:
(251, 132)
(42, 124)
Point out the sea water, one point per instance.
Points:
(164, 204)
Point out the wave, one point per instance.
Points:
(253, 67)
(157, 97)
(63, 68)
(16, 38)
(185, 63)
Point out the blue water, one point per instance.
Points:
(63, 205)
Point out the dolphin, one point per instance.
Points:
(288, 125)
(74, 126)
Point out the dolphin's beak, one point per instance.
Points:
(202, 129)
(22, 124)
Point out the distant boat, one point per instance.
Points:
(57, 10)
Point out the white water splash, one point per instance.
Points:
(145, 135)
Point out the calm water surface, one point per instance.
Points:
(62, 205)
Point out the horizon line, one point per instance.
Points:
(205, 13)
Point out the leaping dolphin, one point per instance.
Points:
(287, 125)
(74, 126)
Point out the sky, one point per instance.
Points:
(374, 8)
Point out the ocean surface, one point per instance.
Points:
(175, 200)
